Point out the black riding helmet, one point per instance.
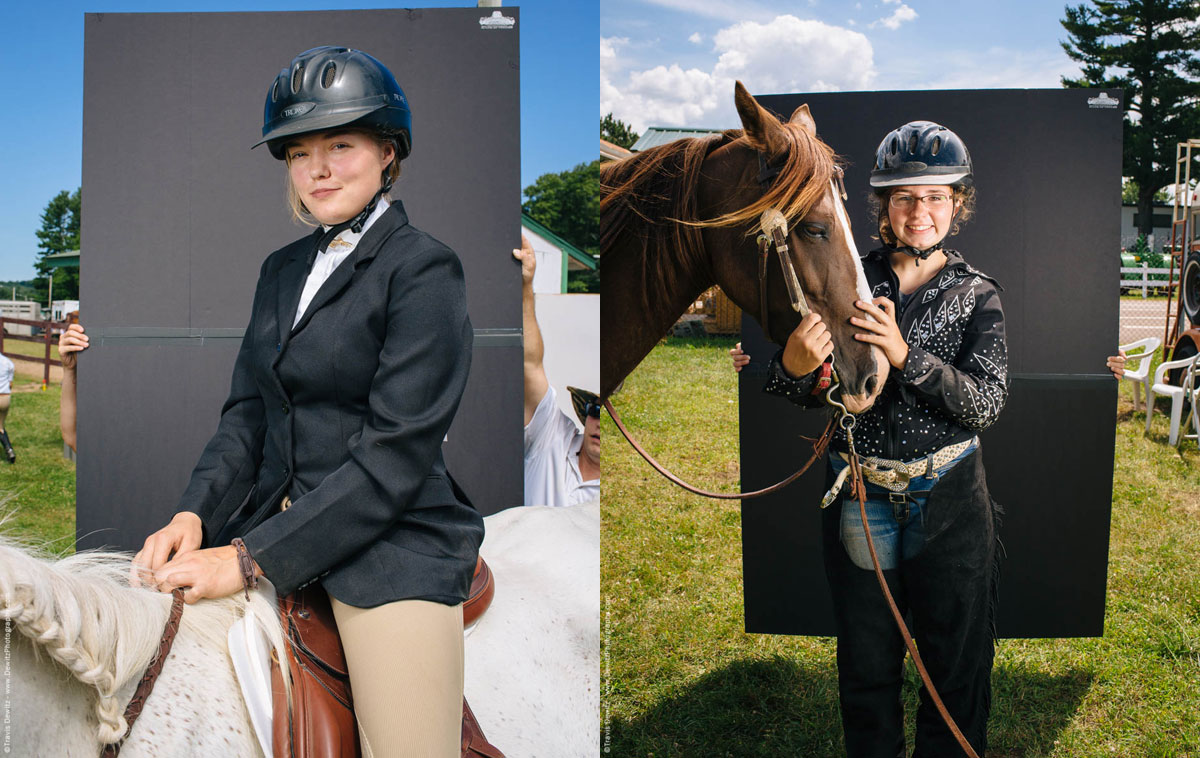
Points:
(327, 87)
(921, 152)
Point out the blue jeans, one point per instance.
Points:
(949, 588)
(896, 519)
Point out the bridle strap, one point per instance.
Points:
(134, 709)
(764, 254)
(819, 446)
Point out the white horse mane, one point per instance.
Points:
(82, 611)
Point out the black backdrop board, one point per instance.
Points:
(180, 213)
(1047, 167)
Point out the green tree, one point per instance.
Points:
(1148, 48)
(59, 234)
(568, 204)
(1129, 193)
(617, 132)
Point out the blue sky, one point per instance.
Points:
(43, 95)
(673, 62)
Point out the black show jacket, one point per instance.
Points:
(346, 414)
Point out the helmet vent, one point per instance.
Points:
(937, 145)
(328, 74)
(912, 144)
(275, 91)
(895, 145)
(297, 76)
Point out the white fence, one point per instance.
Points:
(1138, 277)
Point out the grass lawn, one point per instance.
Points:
(682, 678)
(39, 490)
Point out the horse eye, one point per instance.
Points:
(814, 230)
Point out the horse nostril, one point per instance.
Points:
(872, 381)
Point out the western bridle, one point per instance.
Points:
(774, 234)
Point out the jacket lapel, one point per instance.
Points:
(289, 283)
(367, 248)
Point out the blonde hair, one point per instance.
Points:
(964, 198)
(300, 213)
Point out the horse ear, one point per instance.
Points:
(803, 117)
(763, 131)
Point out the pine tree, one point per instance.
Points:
(1149, 49)
(617, 132)
(59, 234)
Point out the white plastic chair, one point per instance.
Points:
(1137, 367)
(1178, 394)
(1192, 389)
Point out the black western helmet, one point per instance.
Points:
(328, 87)
(920, 152)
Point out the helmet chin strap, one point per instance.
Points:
(355, 224)
(919, 254)
(913, 252)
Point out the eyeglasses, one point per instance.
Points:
(592, 409)
(908, 202)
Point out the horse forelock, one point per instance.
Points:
(807, 166)
(81, 611)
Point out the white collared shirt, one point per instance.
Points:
(332, 256)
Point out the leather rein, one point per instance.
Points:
(146, 684)
(774, 234)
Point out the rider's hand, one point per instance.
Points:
(807, 347)
(740, 359)
(184, 534)
(883, 331)
(214, 572)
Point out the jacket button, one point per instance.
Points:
(285, 408)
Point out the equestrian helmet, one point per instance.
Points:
(921, 152)
(328, 87)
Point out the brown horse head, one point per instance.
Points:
(678, 218)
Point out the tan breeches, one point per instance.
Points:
(406, 674)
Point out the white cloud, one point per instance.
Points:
(993, 68)
(695, 39)
(885, 2)
(899, 16)
(787, 54)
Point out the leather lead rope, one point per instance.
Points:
(819, 446)
(860, 491)
(146, 685)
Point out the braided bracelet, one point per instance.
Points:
(249, 580)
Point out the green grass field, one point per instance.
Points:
(683, 679)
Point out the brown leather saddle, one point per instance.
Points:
(321, 722)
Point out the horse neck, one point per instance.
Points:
(630, 325)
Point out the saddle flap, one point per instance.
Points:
(310, 625)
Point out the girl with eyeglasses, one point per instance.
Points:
(939, 321)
